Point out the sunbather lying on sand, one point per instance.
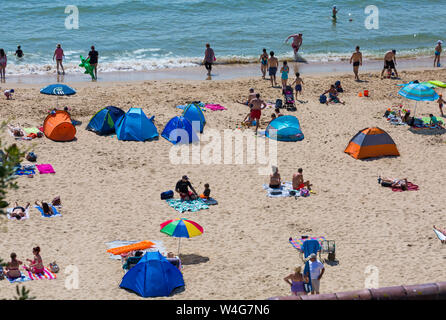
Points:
(443, 231)
(393, 183)
(16, 131)
(19, 212)
(47, 210)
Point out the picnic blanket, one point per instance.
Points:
(298, 242)
(157, 246)
(45, 168)
(440, 235)
(56, 213)
(410, 187)
(215, 107)
(9, 211)
(46, 274)
(188, 205)
(283, 191)
(31, 130)
(393, 119)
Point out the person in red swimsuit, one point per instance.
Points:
(256, 109)
(36, 265)
(298, 181)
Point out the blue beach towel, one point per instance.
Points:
(23, 278)
(191, 205)
(56, 213)
(307, 285)
(310, 246)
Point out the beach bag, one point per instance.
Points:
(31, 157)
(54, 267)
(304, 192)
(279, 103)
(167, 195)
(56, 201)
(323, 98)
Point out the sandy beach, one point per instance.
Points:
(110, 190)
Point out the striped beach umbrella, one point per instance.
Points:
(418, 92)
(181, 228)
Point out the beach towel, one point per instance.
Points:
(440, 235)
(189, 205)
(24, 172)
(46, 274)
(31, 130)
(308, 287)
(45, 168)
(283, 191)
(157, 246)
(9, 211)
(310, 246)
(56, 213)
(297, 243)
(410, 187)
(22, 278)
(210, 201)
(215, 107)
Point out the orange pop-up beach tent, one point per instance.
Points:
(58, 126)
(371, 143)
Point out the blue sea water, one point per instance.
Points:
(145, 34)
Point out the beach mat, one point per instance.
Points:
(46, 274)
(410, 187)
(131, 247)
(283, 191)
(45, 168)
(157, 246)
(56, 213)
(189, 205)
(9, 211)
(298, 243)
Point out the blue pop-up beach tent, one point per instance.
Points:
(193, 112)
(103, 122)
(153, 276)
(284, 128)
(179, 130)
(135, 126)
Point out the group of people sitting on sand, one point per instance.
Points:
(333, 93)
(275, 181)
(35, 265)
(182, 188)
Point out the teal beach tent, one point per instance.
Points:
(135, 126)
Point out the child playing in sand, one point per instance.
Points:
(206, 193)
(284, 70)
(440, 102)
(298, 82)
(8, 94)
(333, 95)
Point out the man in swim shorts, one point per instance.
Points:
(298, 180)
(93, 55)
(356, 58)
(389, 62)
(438, 50)
(297, 42)
(256, 109)
(273, 64)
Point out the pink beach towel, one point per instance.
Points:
(45, 168)
(410, 187)
(46, 274)
(215, 107)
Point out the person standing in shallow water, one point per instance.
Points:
(59, 55)
(263, 63)
(356, 59)
(209, 58)
(93, 55)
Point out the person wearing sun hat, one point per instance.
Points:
(182, 187)
(438, 50)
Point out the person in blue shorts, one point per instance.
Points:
(273, 64)
(298, 82)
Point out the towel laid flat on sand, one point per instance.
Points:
(440, 236)
(31, 130)
(410, 187)
(22, 278)
(45, 168)
(46, 274)
(24, 172)
(215, 107)
(9, 211)
(283, 191)
(56, 213)
(210, 201)
(191, 205)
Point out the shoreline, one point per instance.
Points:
(220, 72)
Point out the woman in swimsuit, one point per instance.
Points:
(19, 212)
(285, 69)
(296, 281)
(47, 210)
(13, 267)
(264, 63)
(274, 179)
(3, 61)
(393, 183)
(36, 265)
